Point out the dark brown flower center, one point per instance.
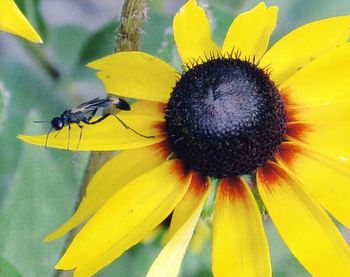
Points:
(225, 117)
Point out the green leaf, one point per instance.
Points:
(27, 90)
(66, 42)
(99, 44)
(41, 197)
(4, 103)
(8, 270)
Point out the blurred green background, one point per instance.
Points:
(39, 187)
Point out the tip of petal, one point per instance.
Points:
(62, 266)
(96, 64)
(273, 10)
(60, 231)
(93, 64)
(188, 5)
(50, 237)
(21, 137)
(261, 5)
(100, 64)
(65, 263)
(28, 139)
(31, 35)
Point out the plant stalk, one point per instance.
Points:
(127, 39)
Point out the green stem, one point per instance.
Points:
(131, 21)
(127, 39)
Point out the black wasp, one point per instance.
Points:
(85, 112)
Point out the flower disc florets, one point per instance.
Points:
(225, 117)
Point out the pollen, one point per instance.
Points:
(225, 117)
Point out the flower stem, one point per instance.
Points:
(131, 21)
(127, 39)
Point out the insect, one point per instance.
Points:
(85, 112)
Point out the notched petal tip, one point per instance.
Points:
(250, 32)
(136, 75)
(189, 5)
(192, 33)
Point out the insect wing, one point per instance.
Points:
(92, 101)
(92, 105)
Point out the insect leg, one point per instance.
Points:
(121, 121)
(128, 127)
(80, 135)
(87, 120)
(91, 115)
(47, 137)
(69, 128)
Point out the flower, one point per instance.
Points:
(280, 115)
(13, 21)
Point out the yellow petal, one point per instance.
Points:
(136, 75)
(107, 135)
(304, 226)
(319, 92)
(113, 175)
(250, 32)
(192, 34)
(330, 139)
(201, 236)
(126, 218)
(183, 223)
(239, 243)
(199, 185)
(305, 44)
(327, 180)
(13, 21)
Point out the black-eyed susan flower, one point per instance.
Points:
(13, 21)
(281, 115)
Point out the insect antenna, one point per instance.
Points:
(41, 121)
(128, 127)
